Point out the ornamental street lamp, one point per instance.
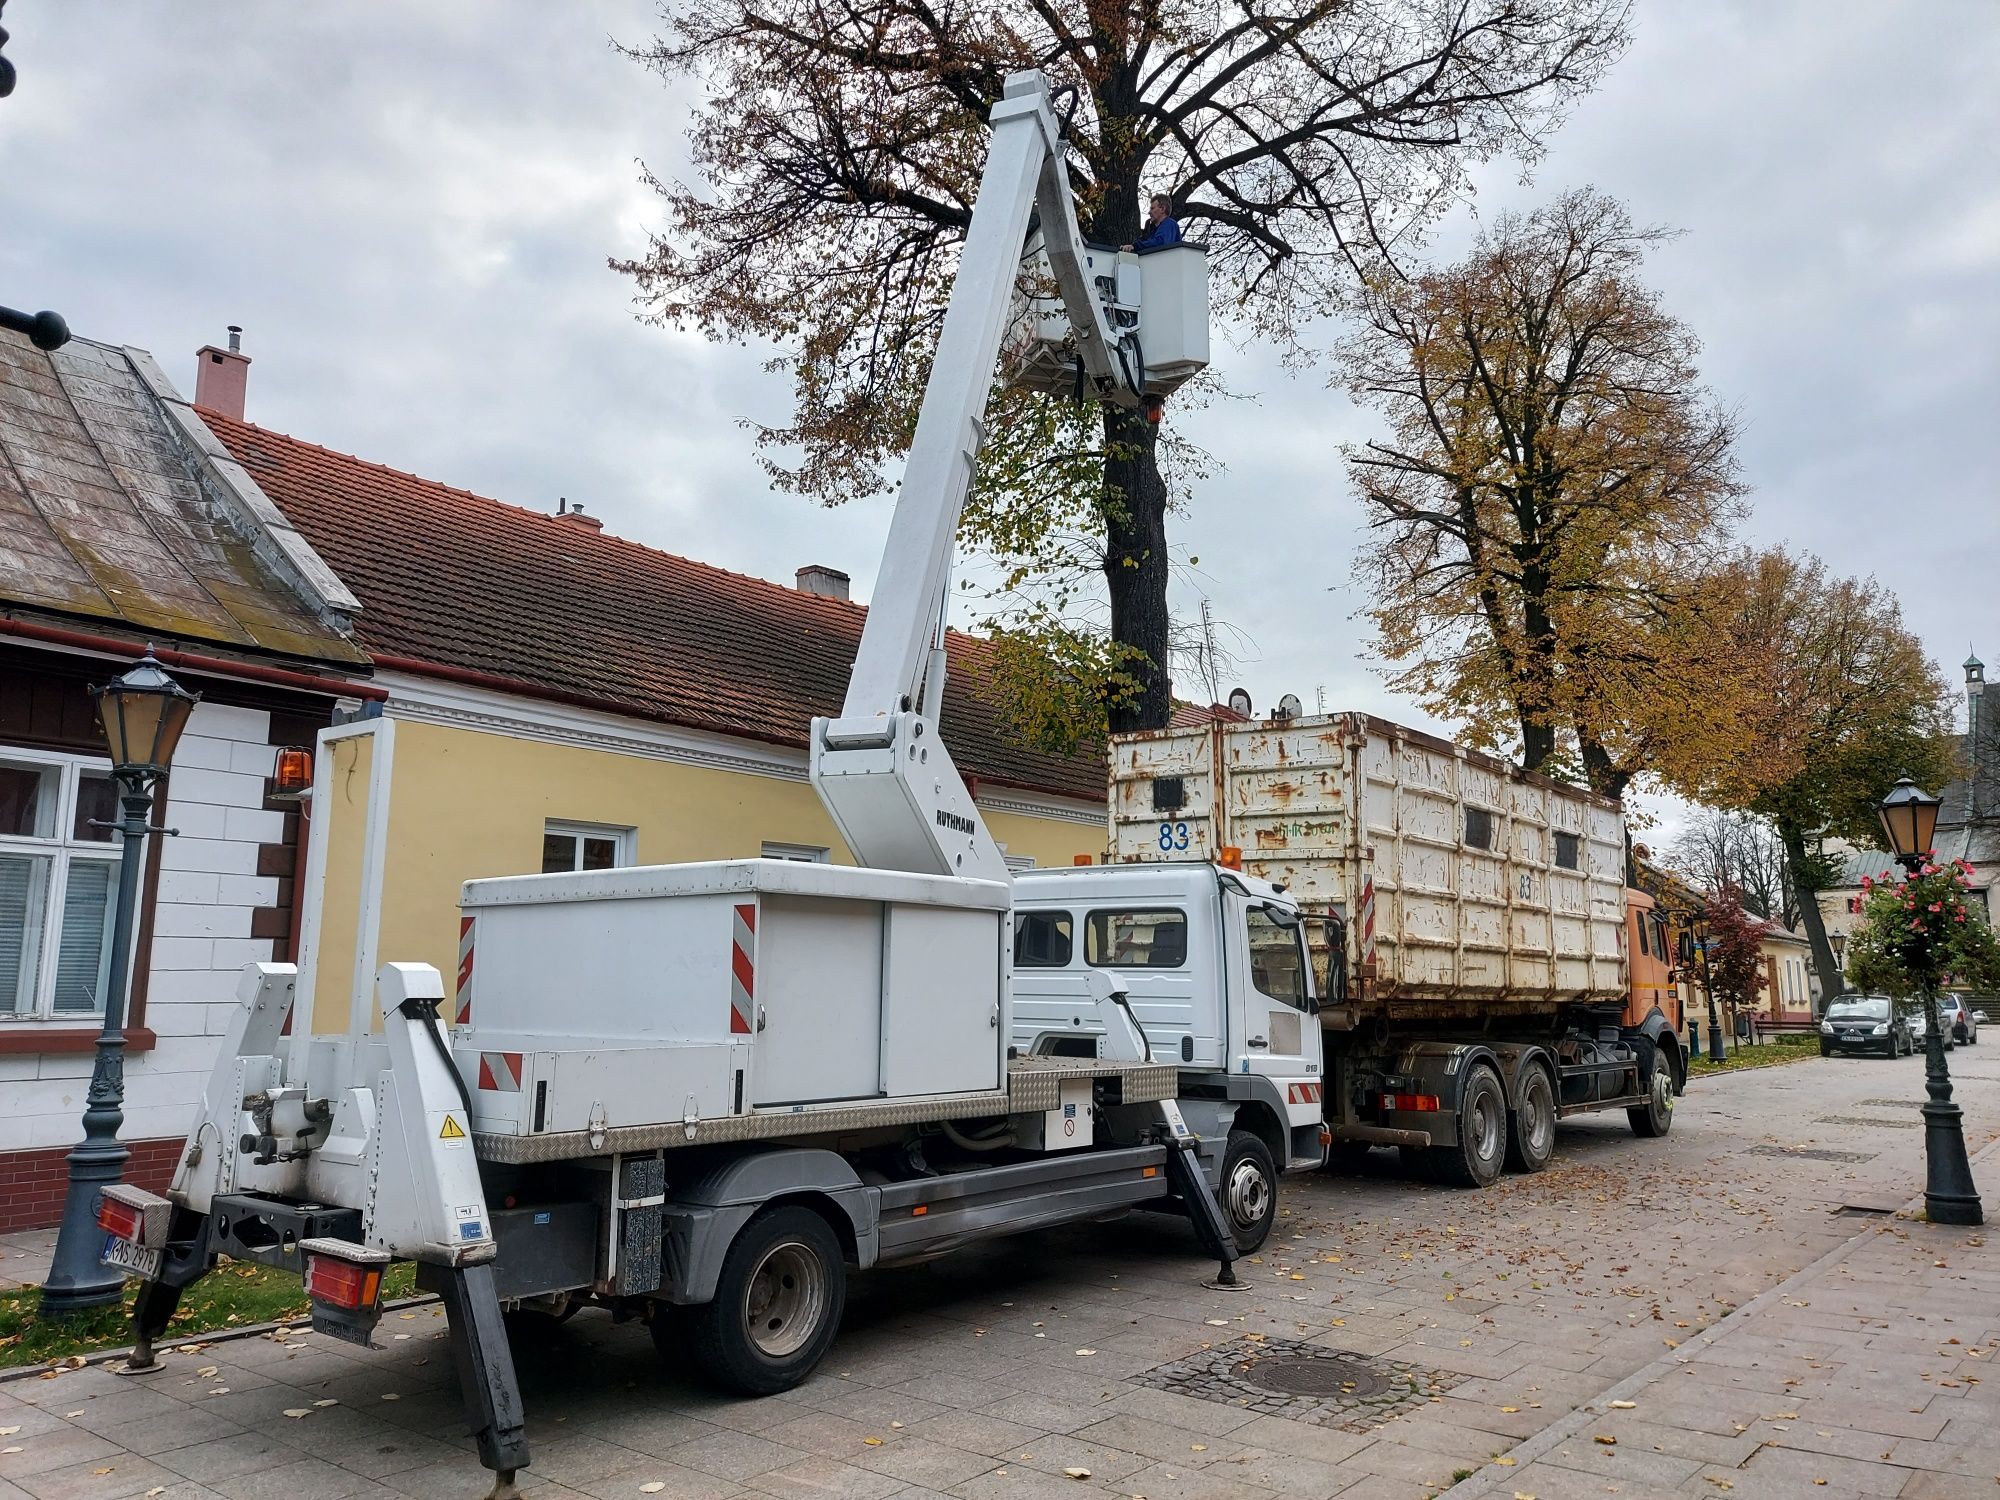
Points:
(1909, 820)
(143, 714)
(1699, 927)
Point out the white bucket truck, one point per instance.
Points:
(701, 1093)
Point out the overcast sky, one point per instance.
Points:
(409, 208)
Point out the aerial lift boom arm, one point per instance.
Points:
(880, 767)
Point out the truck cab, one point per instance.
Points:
(1214, 968)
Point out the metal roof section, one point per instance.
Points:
(118, 505)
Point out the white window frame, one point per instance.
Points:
(805, 854)
(625, 840)
(62, 849)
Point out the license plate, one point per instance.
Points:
(133, 1260)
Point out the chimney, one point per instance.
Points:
(221, 375)
(828, 583)
(566, 511)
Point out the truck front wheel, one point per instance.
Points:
(1249, 1190)
(777, 1305)
(1531, 1125)
(1481, 1151)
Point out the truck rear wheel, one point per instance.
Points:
(1531, 1125)
(777, 1305)
(1482, 1133)
(1655, 1117)
(1249, 1190)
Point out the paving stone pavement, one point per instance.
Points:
(1007, 1372)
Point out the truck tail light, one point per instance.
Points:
(344, 1281)
(1422, 1103)
(125, 1220)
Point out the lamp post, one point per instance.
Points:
(1699, 927)
(1909, 819)
(143, 713)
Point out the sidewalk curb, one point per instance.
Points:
(1490, 1477)
(219, 1336)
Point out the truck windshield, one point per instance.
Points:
(1277, 962)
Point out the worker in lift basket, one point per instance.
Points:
(1162, 229)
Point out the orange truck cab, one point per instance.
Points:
(1649, 963)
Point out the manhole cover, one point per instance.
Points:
(1274, 1377)
(1337, 1377)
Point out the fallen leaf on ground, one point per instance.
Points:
(8, 1431)
(1086, 1351)
(1505, 1463)
(11, 1448)
(329, 1401)
(1077, 1473)
(652, 1486)
(298, 1411)
(107, 1469)
(392, 1396)
(873, 1442)
(1607, 1439)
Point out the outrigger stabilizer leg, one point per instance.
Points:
(1184, 1171)
(485, 1371)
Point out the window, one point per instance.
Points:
(1478, 828)
(1277, 963)
(1043, 939)
(1136, 939)
(805, 854)
(58, 884)
(1569, 851)
(584, 846)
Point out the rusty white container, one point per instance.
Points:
(1455, 883)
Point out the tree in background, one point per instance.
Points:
(1553, 485)
(1735, 948)
(1848, 703)
(1719, 847)
(840, 145)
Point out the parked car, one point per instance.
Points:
(1865, 1023)
(1947, 1016)
(1963, 1020)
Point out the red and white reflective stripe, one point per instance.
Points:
(500, 1072)
(1302, 1093)
(743, 969)
(1368, 917)
(463, 1015)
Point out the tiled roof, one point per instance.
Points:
(452, 578)
(110, 514)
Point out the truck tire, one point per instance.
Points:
(1475, 1161)
(1655, 1117)
(1531, 1124)
(777, 1305)
(1249, 1194)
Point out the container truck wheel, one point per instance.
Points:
(777, 1305)
(1249, 1190)
(1531, 1125)
(1482, 1133)
(1655, 1117)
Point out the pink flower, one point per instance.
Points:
(1937, 906)
(1959, 918)
(1867, 883)
(1916, 926)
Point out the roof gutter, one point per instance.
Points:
(214, 666)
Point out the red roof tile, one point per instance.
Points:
(452, 578)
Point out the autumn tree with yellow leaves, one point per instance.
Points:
(1548, 504)
(838, 145)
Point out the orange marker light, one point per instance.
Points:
(295, 769)
(1232, 857)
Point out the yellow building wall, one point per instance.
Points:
(467, 804)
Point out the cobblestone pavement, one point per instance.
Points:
(1034, 1369)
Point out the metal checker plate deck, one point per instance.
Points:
(1034, 1084)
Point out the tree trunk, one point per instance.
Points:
(1135, 564)
(1830, 984)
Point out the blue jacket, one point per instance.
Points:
(1159, 236)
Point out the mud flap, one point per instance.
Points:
(485, 1365)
